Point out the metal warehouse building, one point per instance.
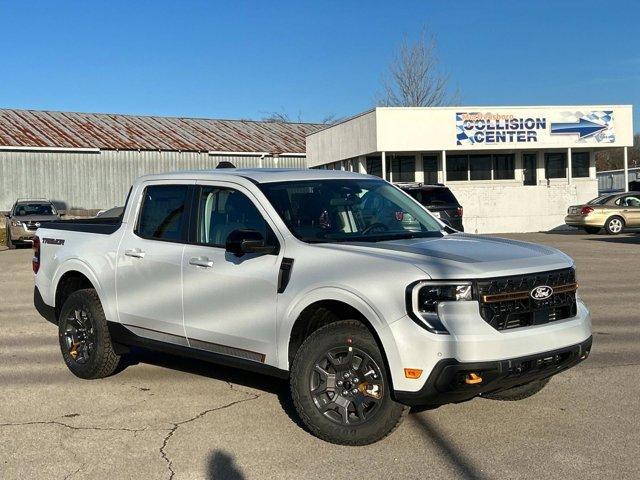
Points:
(513, 169)
(88, 161)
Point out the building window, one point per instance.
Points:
(480, 167)
(457, 167)
(503, 167)
(430, 168)
(580, 164)
(555, 165)
(403, 168)
(374, 166)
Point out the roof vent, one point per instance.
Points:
(225, 164)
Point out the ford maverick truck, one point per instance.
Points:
(340, 282)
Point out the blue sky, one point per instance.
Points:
(242, 59)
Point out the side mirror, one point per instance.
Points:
(243, 241)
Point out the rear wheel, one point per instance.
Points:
(84, 337)
(614, 225)
(592, 230)
(340, 386)
(518, 393)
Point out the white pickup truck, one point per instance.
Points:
(338, 281)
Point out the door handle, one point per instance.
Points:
(134, 252)
(201, 262)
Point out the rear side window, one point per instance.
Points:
(433, 196)
(163, 213)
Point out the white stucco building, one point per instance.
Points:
(513, 169)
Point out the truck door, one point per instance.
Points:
(229, 301)
(148, 271)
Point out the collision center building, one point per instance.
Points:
(513, 169)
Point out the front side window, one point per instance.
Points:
(555, 165)
(163, 213)
(629, 201)
(349, 210)
(223, 210)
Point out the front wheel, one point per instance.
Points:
(341, 388)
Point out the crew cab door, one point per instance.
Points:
(229, 301)
(149, 262)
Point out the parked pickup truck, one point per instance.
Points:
(340, 282)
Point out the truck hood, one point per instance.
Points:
(469, 256)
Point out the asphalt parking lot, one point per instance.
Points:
(164, 417)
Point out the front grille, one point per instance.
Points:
(505, 302)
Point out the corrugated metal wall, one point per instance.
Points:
(101, 180)
(612, 181)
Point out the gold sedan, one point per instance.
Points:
(613, 212)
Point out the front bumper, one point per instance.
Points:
(446, 383)
(21, 233)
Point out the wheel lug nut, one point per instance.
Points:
(339, 383)
(344, 392)
(356, 380)
(354, 391)
(346, 375)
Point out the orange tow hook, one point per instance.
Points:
(472, 379)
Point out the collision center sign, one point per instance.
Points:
(489, 128)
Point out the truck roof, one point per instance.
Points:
(258, 175)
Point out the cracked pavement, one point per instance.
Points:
(168, 418)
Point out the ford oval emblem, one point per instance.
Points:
(541, 293)
(37, 224)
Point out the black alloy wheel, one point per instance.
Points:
(347, 385)
(79, 335)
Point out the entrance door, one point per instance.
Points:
(529, 165)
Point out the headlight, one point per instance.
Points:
(423, 299)
(15, 223)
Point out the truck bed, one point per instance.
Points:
(104, 226)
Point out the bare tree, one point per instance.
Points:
(612, 159)
(414, 78)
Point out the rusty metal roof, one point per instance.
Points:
(34, 128)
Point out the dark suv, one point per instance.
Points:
(439, 200)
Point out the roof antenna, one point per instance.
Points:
(225, 164)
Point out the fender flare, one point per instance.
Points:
(77, 265)
(307, 298)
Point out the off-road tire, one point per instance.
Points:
(103, 361)
(609, 225)
(592, 230)
(518, 393)
(389, 415)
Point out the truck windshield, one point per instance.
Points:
(349, 210)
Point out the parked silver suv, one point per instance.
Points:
(26, 216)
